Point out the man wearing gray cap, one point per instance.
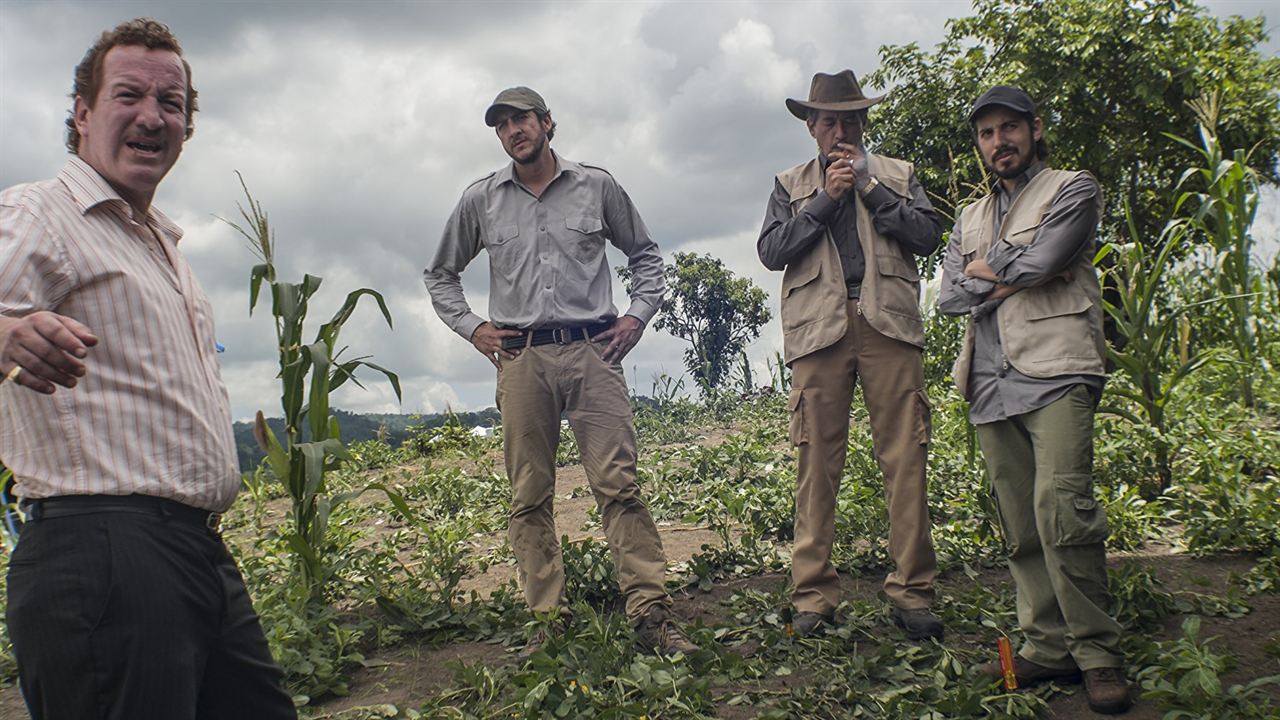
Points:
(1032, 366)
(557, 342)
(846, 227)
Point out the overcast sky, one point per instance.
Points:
(358, 125)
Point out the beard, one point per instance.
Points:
(534, 151)
(1020, 165)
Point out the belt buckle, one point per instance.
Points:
(562, 335)
(213, 523)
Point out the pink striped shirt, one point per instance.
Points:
(151, 415)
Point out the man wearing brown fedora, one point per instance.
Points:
(846, 227)
(557, 342)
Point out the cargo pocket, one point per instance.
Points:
(799, 428)
(1081, 519)
(924, 418)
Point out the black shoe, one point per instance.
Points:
(658, 633)
(1028, 673)
(808, 624)
(919, 623)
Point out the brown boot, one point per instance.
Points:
(657, 632)
(1028, 673)
(1107, 690)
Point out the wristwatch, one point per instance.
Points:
(872, 184)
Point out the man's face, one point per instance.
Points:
(523, 133)
(1007, 141)
(832, 128)
(132, 133)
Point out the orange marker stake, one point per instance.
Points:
(1006, 663)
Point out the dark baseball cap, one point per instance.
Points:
(1006, 95)
(520, 98)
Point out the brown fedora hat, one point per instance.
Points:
(838, 93)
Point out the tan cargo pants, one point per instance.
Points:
(1041, 468)
(892, 375)
(533, 390)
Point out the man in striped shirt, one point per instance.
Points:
(123, 601)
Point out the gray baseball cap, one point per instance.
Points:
(1008, 96)
(520, 98)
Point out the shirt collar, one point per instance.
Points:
(507, 173)
(89, 190)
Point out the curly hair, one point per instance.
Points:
(146, 32)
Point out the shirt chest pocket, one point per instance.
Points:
(505, 248)
(581, 237)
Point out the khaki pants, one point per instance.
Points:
(533, 390)
(1041, 468)
(822, 391)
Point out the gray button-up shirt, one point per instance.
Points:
(997, 390)
(547, 264)
(912, 222)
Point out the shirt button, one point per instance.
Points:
(543, 228)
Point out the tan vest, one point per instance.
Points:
(1048, 330)
(813, 288)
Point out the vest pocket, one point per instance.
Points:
(1079, 518)
(897, 266)
(1022, 235)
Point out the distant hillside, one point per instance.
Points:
(393, 429)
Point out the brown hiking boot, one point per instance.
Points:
(658, 633)
(1029, 673)
(536, 643)
(807, 624)
(544, 626)
(919, 623)
(1107, 690)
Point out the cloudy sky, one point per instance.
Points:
(358, 124)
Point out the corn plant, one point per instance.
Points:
(1154, 333)
(1224, 213)
(308, 374)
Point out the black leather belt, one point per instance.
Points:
(72, 505)
(559, 336)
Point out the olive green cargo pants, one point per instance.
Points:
(1041, 469)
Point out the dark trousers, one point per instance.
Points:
(128, 616)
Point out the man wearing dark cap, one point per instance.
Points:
(1019, 265)
(846, 228)
(557, 341)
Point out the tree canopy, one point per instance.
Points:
(1110, 79)
(717, 313)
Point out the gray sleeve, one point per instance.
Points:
(784, 237)
(628, 233)
(1066, 230)
(459, 245)
(912, 221)
(959, 293)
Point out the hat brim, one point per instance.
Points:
(494, 108)
(801, 108)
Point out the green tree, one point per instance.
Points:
(716, 313)
(1110, 80)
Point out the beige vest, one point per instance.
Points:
(813, 289)
(1048, 330)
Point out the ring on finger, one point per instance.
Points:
(14, 373)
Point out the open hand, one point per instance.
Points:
(44, 350)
